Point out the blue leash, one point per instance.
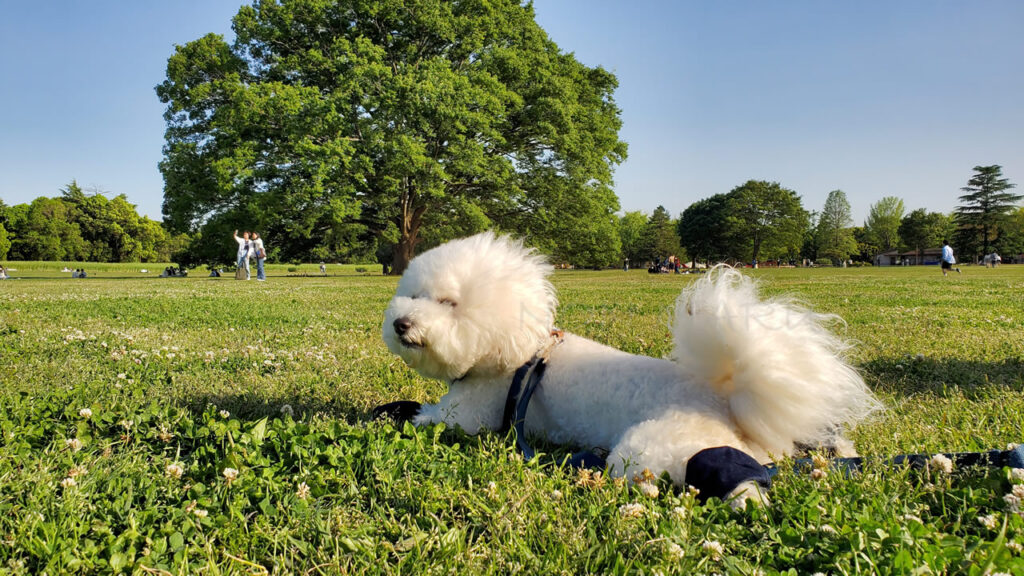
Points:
(1013, 458)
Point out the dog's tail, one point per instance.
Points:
(775, 363)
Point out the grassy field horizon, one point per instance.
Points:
(203, 425)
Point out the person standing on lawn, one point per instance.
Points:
(261, 254)
(244, 251)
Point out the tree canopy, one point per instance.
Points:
(380, 121)
(922, 229)
(882, 226)
(985, 205)
(835, 232)
(704, 229)
(764, 217)
(80, 226)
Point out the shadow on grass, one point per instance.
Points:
(909, 375)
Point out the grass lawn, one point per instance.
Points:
(205, 425)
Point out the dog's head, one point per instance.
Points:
(479, 305)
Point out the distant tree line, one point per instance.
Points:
(77, 226)
(762, 220)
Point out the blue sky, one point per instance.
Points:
(874, 98)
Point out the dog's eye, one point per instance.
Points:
(447, 301)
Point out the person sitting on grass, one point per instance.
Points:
(947, 258)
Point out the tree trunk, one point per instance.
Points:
(409, 226)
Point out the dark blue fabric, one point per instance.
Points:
(401, 411)
(715, 472)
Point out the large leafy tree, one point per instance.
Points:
(921, 229)
(704, 229)
(765, 218)
(631, 232)
(882, 227)
(835, 228)
(1011, 234)
(659, 239)
(373, 121)
(985, 205)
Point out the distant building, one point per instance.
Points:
(928, 256)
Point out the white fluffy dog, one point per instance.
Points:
(759, 376)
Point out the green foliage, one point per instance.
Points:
(765, 220)
(703, 229)
(883, 223)
(835, 232)
(1011, 234)
(297, 368)
(985, 207)
(921, 229)
(631, 231)
(659, 239)
(5, 243)
(328, 122)
(86, 227)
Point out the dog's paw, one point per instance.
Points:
(399, 412)
(749, 491)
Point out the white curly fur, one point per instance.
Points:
(761, 376)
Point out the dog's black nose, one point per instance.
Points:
(402, 325)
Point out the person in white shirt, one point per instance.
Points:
(261, 255)
(244, 250)
(947, 258)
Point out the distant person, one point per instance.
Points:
(625, 265)
(947, 259)
(81, 273)
(244, 248)
(323, 269)
(261, 254)
(3, 273)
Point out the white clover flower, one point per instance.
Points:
(989, 521)
(200, 513)
(225, 414)
(126, 424)
(913, 518)
(170, 355)
(714, 548)
(675, 551)
(302, 491)
(74, 444)
(679, 513)
(1018, 491)
(1012, 502)
(230, 474)
(175, 470)
(68, 482)
(648, 489)
(631, 510)
(818, 474)
(491, 490)
(556, 494)
(692, 491)
(827, 529)
(85, 413)
(122, 376)
(941, 463)
(287, 410)
(819, 461)
(1017, 475)
(1015, 546)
